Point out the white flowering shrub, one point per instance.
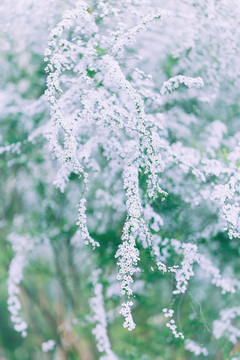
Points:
(120, 150)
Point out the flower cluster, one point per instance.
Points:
(100, 331)
(225, 327)
(126, 312)
(81, 221)
(195, 348)
(21, 246)
(171, 324)
(186, 272)
(174, 82)
(48, 346)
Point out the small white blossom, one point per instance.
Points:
(48, 345)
